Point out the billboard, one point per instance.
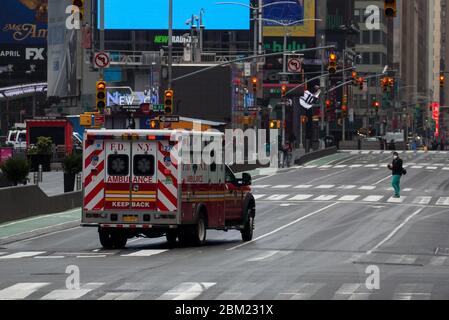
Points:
(153, 14)
(288, 13)
(23, 22)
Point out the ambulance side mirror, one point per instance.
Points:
(246, 179)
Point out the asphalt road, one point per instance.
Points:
(322, 232)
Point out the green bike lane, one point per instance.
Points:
(39, 224)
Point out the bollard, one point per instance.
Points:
(40, 173)
(36, 178)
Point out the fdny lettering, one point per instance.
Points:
(140, 204)
(115, 179)
(194, 179)
(142, 179)
(117, 147)
(145, 147)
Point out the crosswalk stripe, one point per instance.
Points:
(412, 292)
(21, 290)
(355, 166)
(348, 292)
(277, 197)
(431, 168)
(422, 200)
(340, 166)
(373, 198)
(144, 253)
(281, 187)
(301, 197)
(446, 168)
(326, 166)
(348, 187)
(407, 189)
(325, 198)
(325, 186)
(367, 188)
(186, 291)
(401, 259)
(438, 261)
(303, 186)
(396, 200)
(306, 291)
(71, 294)
(417, 167)
(258, 196)
(443, 201)
(371, 166)
(23, 254)
(348, 198)
(120, 296)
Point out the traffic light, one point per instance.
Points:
(361, 81)
(376, 105)
(354, 77)
(100, 97)
(442, 79)
(332, 67)
(391, 82)
(344, 111)
(254, 82)
(275, 124)
(384, 84)
(80, 5)
(168, 101)
(154, 124)
(283, 91)
(390, 8)
(328, 106)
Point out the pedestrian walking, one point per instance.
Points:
(398, 171)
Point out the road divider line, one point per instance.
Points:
(382, 180)
(285, 226)
(396, 230)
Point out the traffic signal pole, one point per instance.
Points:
(170, 42)
(101, 33)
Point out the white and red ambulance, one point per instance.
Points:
(134, 187)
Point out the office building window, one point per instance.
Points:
(376, 58)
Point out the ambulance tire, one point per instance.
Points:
(199, 231)
(120, 240)
(248, 230)
(112, 240)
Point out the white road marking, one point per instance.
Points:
(431, 168)
(422, 200)
(306, 291)
(285, 226)
(438, 261)
(263, 256)
(382, 180)
(340, 166)
(373, 198)
(355, 166)
(310, 167)
(301, 197)
(71, 294)
(325, 198)
(367, 188)
(391, 235)
(397, 200)
(49, 257)
(186, 291)
(349, 198)
(326, 166)
(409, 292)
(325, 186)
(258, 196)
(92, 256)
(120, 296)
(443, 201)
(23, 254)
(417, 167)
(446, 168)
(261, 186)
(2, 253)
(347, 187)
(277, 197)
(348, 292)
(21, 290)
(371, 166)
(401, 259)
(303, 186)
(144, 253)
(407, 189)
(281, 187)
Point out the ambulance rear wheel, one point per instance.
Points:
(120, 240)
(106, 239)
(248, 230)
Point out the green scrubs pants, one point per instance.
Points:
(396, 183)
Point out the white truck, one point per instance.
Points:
(133, 187)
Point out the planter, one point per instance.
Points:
(69, 182)
(37, 159)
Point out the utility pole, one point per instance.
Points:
(344, 92)
(170, 42)
(101, 33)
(284, 76)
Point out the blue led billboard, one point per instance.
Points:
(153, 14)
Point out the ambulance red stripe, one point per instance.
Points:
(168, 194)
(88, 198)
(88, 179)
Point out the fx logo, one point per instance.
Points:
(34, 54)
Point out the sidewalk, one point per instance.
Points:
(52, 182)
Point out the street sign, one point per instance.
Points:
(131, 107)
(102, 60)
(247, 71)
(158, 107)
(294, 65)
(168, 118)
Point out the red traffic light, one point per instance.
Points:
(332, 57)
(376, 104)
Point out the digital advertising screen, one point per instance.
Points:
(153, 14)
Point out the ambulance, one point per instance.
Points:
(134, 187)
